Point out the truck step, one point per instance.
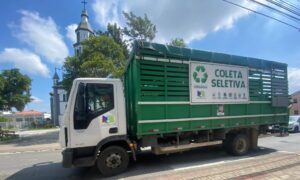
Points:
(84, 162)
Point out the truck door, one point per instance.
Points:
(94, 114)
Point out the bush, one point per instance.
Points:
(3, 119)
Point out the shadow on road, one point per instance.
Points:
(49, 170)
(146, 163)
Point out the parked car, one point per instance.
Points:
(294, 123)
(273, 128)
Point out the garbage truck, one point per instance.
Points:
(172, 99)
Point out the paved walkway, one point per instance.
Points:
(276, 166)
(31, 141)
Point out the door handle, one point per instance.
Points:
(113, 130)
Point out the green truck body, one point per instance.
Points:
(157, 92)
(172, 100)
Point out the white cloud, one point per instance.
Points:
(107, 12)
(71, 32)
(293, 77)
(190, 20)
(42, 35)
(25, 60)
(35, 99)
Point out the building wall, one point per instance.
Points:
(63, 99)
(82, 35)
(295, 107)
(22, 121)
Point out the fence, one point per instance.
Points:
(16, 125)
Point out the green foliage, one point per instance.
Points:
(116, 33)
(71, 69)
(101, 57)
(106, 53)
(3, 119)
(178, 42)
(139, 28)
(8, 138)
(14, 90)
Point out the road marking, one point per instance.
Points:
(287, 152)
(32, 151)
(212, 164)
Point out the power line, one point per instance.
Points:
(265, 15)
(280, 3)
(290, 4)
(274, 9)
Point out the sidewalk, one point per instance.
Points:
(279, 165)
(34, 140)
(10, 148)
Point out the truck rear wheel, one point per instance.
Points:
(112, 160)
(237, 145)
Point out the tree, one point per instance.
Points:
(117, 34)
(101, 57)
(178, 42)
(71, 71)
(14, 90)
(139, 28)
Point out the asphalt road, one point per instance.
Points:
(46, 164)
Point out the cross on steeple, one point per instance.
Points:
(84, 3)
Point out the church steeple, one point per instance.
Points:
(83, 31)
(55, 78)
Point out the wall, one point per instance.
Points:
(295, 107)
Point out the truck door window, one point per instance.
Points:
(80, 108)
(99, 99)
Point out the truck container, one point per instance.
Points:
(172, 99)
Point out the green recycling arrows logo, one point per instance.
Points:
(200, 74)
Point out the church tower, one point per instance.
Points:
(83, 31)
(59, 96)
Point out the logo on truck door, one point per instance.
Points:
(110, 119)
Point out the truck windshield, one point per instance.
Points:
(93, 101)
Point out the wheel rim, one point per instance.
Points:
(113, 160)
(241, 145)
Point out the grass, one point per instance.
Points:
(3, 119)
(42, 128)
(9, 129)
(8, 138)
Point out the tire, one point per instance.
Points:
(112, 160)
(238, 145)
(296, 129)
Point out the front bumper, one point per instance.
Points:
(67, 158)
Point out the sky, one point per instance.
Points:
(36, 36)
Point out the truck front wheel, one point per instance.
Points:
(112, 160)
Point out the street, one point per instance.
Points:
(276, 155)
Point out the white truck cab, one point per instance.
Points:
(95, 114)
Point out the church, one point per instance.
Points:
(58, 96)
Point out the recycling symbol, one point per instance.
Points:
(200, 74)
